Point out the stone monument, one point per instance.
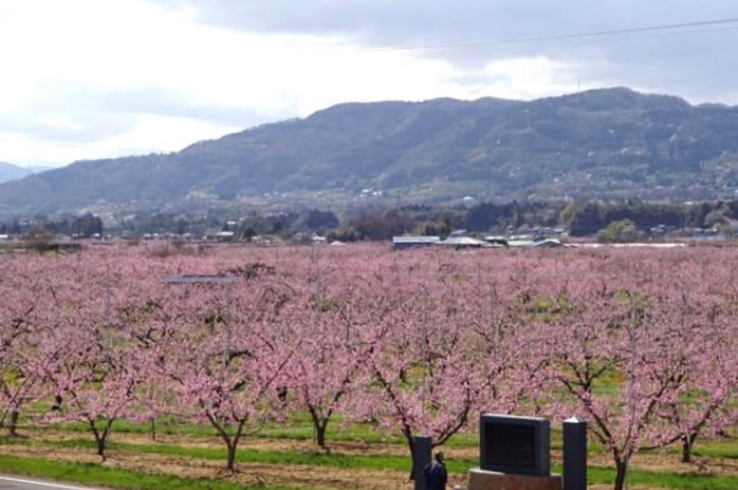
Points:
(515, 454)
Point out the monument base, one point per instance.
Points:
(490, 480)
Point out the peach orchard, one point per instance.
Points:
(640, 343)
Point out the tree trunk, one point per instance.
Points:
(621, 468)
(687, 445)
(411, 445)
(101, 438)
(13, 426)
(153, 430)
(233, 446)
(320, 424)
(320, 430)
(101, 448)
(231, 463)
(231, 442)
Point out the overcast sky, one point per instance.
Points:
(87, 79)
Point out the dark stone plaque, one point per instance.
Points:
(512, 445)
(515, 445)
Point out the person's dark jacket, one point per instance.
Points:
(435, 476)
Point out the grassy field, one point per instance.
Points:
(95, 474)
(282, 457)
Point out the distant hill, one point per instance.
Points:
(611, 143)
(10, 172)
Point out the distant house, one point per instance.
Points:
(460, 242)
(497, 241)
(261, 240)
(225, 236)
(523, 241)
(520, 243)
(548, 243)
(404, 242)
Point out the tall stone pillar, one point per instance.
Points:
(575, 454)
(421, 459)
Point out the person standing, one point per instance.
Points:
(435, 476)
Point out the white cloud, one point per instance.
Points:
(166, 132)
(528, 78)
(67, 51)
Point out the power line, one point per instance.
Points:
(692, 26)
(601, 40)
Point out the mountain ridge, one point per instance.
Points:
(606, 143)
(9, 172)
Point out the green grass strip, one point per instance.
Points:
(96, 475)
(686, 481)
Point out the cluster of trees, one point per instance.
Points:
(642, 344)
(85, 226)
(589, 218)
(371, 224)
(489, 216)
(582, 219)
(383, 224)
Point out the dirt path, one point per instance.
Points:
(656, 461)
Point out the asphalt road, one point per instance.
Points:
(20, 483)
